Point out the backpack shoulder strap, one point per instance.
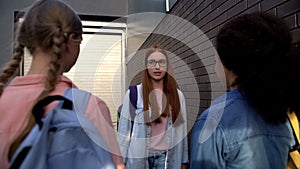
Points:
(133, 95)
(133, 101)
(38, 109)
(294, 155)
(133, 104)
(72, 96)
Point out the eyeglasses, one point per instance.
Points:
(152, 63)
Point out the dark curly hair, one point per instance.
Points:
(293, 82)
(256, 47)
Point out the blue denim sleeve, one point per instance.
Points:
(207, 154)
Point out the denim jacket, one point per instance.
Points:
(134, 149)
(230, 134)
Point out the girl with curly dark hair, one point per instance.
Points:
(248, 127)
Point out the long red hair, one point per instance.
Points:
(170, 92)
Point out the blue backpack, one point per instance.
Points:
(64, 139)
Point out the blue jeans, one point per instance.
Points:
(157, 161)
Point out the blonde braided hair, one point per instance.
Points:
(44, 27)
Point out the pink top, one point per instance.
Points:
(18, 98)
(158, 139)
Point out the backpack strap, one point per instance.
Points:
(133, 101)
(80, 99)
(133, 104)
(295, 125)
(294, 155)
(39, 108)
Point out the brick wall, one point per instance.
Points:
(189, 32)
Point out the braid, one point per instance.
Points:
(51, 81)
(12, 67)
(16, 143)
(43, 28)
(54, 65)
(49, 86)
(56, 60)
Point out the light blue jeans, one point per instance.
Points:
(157, 161)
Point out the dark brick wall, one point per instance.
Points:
(193, 54)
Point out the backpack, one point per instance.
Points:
(65, 138)
(294, 156)
(133, 107)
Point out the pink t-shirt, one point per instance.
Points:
(158, 140)
(17, 101)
